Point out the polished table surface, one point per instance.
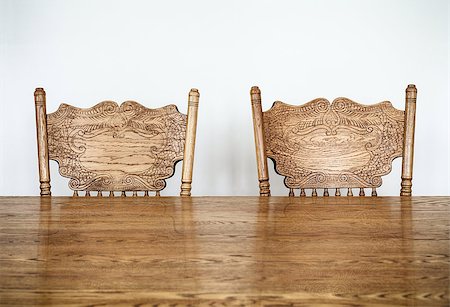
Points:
(225, 251)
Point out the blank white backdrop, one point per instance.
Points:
(84, 52)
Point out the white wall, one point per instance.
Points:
(83, 52)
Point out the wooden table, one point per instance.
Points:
(225, 251)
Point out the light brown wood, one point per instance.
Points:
(343, 144)
(112, 148)
(408, 140)
(116, 148)
(42, 141)
(225, 251)
(189, 147)
(261, 158)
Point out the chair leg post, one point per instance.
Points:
(258, 129)
(408, 140)
(189, 146)
(42, 141)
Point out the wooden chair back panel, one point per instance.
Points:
(339, 145)
(344, 144)
(116, 148)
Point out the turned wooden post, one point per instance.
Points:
(408, 140)
(258, 129)
(41, 129)
(189, 146)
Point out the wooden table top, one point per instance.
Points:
(225, 251)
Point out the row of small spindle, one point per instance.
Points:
(111, 194)
(326, 193)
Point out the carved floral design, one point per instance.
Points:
(342, 144)
(116, 148)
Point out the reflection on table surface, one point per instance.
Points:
(225, 250)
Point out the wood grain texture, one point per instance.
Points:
(408, 140)
(343, 144)
(225, 251)
(258, 129)
(338, 145)
(42, 141)
(191, 132)
(115, 148)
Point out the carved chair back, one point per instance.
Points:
(112, 148)
(343, 144)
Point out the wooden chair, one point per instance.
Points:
(344, 144)
(116, 148)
